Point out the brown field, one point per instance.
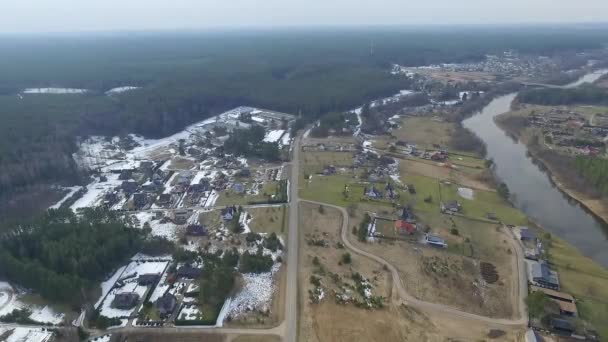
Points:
(268, 220)
(424, 131)
(452, 277)
(181, 163)
(254, 338)
(468, 177)
(453, 76)
(329, 321)
(158, 336)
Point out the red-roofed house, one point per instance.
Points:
(404, 228)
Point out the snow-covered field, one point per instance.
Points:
(26, 334)
(128, 276)
(466, 193)
(95, 192)
(54, 91)
(9, 301)
(167, 230)
(72, 191)
(256, 294)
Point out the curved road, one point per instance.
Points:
(434, 307)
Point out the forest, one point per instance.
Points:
(63, 256)
(585, 94)
(595, 171)
(187, 76)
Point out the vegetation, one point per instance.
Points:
(503, 191)
(362, 232)
(540, 305)
(19, 316)
(594, 170)
(62, 256)
(250, 143)
(586, 94)
(346, 258)
(255, 262)
(335, 123)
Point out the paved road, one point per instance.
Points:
(291, 301)
(434, 307)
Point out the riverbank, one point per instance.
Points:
(590, 202)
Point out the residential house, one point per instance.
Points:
(228, 213)
(562, 326)
(542, 275)
(148, 279)
(450, 207)
(435, 241)
(125, 175)
(125, 301)
(567, 304)
(196, 230)
(199, 188)
(181, 216)
(164, 199)
(405, 228)
(140, 199)
(166, 305)
(129, 186)
(373, 193)
(189, 272)
(528, 235)
(183, 178)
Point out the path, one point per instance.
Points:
(433, 308)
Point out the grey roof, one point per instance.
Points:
(543, 272)
(434, 239)
(527, 234)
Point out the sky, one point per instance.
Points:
(119, 15)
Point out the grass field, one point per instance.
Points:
(330, 189)
(484, 202)
(424, 132)
(268, 220)
(425, 187)
(229, 197)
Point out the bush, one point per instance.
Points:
(454, 231)
(346, 258)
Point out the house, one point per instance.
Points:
(404, 228)
(110, 199)
(189, 272)
(181, 216)
(439, 156)
(329, 170)
(450, 207)
(228, 213)
(198, 188)
(543, 276)
(125, 175)
(183, 178)
(164, 199)
(561, 325)
(146, 166)
(238, 188)
(528, 235)
(166, 305)
(196, 230)
(129, 186)
(140, 199)
(373, 192)
(245, 173)
(567, 304)
(435, 241)
(125, 301)
(407, 215)
(148, 279)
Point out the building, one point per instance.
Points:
(181, 216)
(407, 215)
(543, 276)
(201, 187)
(561, 326)
(527, 235)
(435, 241)
(148, 279)
(228, 213)
(166, 305)
(450, 207)
(404, 228)
(140, 199)
(125, 301)
(196, 230)
(164, 199)
(129, 186)
(567, 304)
(373, 193)
(189, 272)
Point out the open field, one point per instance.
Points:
(425, 132)
(255, 338)
(452, 276)
(484, 202)
(269, 220)
(230, 197)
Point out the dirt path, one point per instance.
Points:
(433, 308)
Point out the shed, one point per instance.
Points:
(436, 241)
(148, 279)
(561, 325)
(125, 300)
(527, 235)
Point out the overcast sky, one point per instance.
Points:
(110, 15)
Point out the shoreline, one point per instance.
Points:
(583, 200)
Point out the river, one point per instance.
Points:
(532, 190)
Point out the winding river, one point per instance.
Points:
(532, 190)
